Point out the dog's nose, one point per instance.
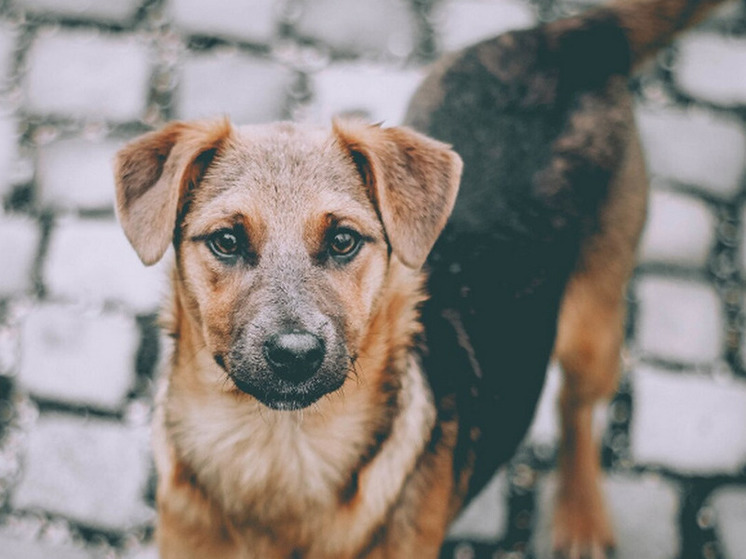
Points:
(294, 356)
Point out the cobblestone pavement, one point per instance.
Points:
(78, 341)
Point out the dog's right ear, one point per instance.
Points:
(153, 174)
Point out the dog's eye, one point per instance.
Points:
(344, 243)
(224, 242)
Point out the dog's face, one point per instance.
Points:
(284, 237)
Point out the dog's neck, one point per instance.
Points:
(350, 453)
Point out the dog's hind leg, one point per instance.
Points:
(588, 346)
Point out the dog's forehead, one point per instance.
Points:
(283, 168)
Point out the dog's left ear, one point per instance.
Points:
(154, 173)
(412, 180)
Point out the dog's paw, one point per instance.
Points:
(581, 529)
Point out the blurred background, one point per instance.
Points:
(78, 340)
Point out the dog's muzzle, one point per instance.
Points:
(287, 368)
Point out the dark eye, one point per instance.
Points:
(224, 242)
(344, 243)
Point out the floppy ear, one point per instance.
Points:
(412, 180)
(153, 174)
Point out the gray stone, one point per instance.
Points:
(687, 422)
(247, 20)
(246, 88)
(710, 67)
(460, 23)
(91, 261)
(17, 547)
(108, 10)
(77, 357)
(644, 514)
(486, 517)
(375, 92)
(694, 147)
(382, 26)
(8, 37)
(729, 504)
(147, 552)
(87, 74)
(8, 149)
(680, 230)
(545, 427)
(679, 320)
(91, 471)
(77, 173)
(19, 244)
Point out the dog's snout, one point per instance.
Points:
(294, 356)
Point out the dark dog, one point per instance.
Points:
(318, 404)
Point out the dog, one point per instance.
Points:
(355, 348)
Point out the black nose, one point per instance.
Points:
(294, 356)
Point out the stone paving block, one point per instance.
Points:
(460, 23)
(77, 173)
(707, 67)
(679, 320)
(16, 547)
(148, 552)
(88, 74)
(97, 10)
(8, 37)
(76, 357)
(680, 230)
(8, 149)
(729, 504)
(688, 423)
(694, 147)
(644, 513)
(245, 20)
(486, 517)
(363, 26)
(92, 261)
(545, 427)
(246, 88)
(19, 244)
(9, 349)
(376, 92)
(92, 471)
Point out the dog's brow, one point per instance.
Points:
(359, 220)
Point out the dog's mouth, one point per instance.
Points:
(282, 396)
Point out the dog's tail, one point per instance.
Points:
(621, 35)
(650, 25)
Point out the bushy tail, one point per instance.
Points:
(650, 25)
(619, 36)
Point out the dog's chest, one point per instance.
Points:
(269, 465)
(286, 475)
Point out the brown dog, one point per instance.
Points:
(318, 404)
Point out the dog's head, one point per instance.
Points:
(284, 237)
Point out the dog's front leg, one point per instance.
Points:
(189, 525)
(188, 528)
(177, 541)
